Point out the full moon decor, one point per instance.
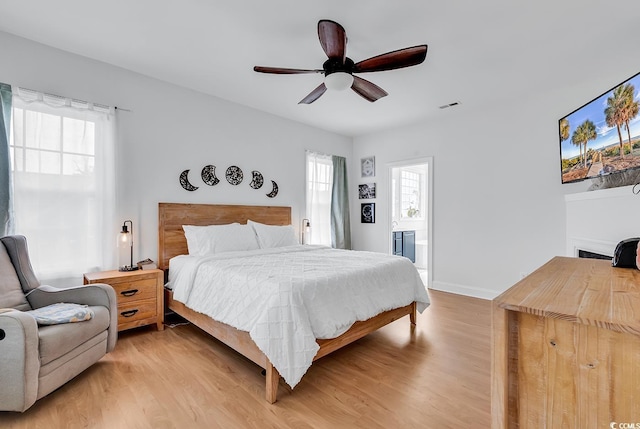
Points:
(234, 175)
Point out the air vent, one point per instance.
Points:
(446, 106)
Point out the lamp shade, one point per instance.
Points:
(338, 81)
(125, 238)
(125, 248)
(305, 231)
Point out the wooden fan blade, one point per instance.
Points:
(333, 39)
(367, 90)
(314, 95)
(280, 70)
(393, 60)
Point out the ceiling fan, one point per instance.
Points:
(339, 69)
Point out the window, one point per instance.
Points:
(63, 178)
(410, 193)
(52, 145)
(408, 184)
(319, 186)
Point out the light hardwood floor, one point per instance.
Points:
(436, 376)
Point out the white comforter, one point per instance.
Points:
(287, 297)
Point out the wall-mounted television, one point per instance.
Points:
(602, 137)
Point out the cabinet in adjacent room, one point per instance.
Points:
(404, 244)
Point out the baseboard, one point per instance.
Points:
(472, 291)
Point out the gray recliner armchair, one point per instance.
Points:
(35, 360)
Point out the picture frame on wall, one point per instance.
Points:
(368, 213)
(368, 166)
(367, 191)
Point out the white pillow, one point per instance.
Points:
(205, 240)
(274, 235)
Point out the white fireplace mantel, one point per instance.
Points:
(597, 221)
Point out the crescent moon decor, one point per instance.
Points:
(184, 181)
(257, 181)
(209, 175)
(234, 175)
(274, 191)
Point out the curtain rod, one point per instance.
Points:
(73, 99)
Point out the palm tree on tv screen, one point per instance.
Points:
(564, 135)
(617, 110)
(631, 108)
(585, 132)
(564, 129)
(575, 139)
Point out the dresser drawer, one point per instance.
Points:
(135, 290)
(135, 311)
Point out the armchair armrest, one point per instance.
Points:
(93, 294)
(19, 360)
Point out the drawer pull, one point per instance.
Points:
(129, 292)
(129, 313)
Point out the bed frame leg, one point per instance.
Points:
(414, 314)
(272, 380)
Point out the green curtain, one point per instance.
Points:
(340, 222)
(6, 201)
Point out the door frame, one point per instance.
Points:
(429, 197)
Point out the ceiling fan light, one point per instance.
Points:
(338, 81)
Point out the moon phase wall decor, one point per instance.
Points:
(257, 181)
(274, 191)
(209, 175)
(184, 181)
(234, 176)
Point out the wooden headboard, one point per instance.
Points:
(171, 217)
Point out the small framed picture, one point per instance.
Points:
(368, 166)
(367, 191)
(368, 213)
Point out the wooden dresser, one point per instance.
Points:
(139, 294)
(566, 348)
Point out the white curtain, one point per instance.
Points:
(63, 154)
(319, 185)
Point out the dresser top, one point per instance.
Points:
(587, 291)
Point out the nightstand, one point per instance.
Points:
(139, 295)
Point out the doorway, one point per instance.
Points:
(410, 206)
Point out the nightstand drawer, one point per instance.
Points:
(135, 290)
(139, 294)
(135, 311)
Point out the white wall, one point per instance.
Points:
(498, 199)
(170, 129)
(596, 221)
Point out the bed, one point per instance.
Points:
(173, 244)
